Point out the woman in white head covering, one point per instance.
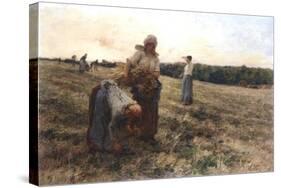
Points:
(187, 81)
(146, 59)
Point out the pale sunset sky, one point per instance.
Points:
(111, 33)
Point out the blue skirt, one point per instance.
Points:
(98, 132)
(186, 89)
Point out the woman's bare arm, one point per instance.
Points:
(126, 70)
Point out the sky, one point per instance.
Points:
(111, 33)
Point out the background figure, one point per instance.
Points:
(94, 65)
(187, 82)
(73, 58)
(83, 63)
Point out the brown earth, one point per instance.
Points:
(227, 130)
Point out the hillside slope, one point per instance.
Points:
(227, 130)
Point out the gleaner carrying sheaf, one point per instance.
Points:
(114, 115)
(142, 73)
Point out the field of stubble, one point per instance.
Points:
(228, 130)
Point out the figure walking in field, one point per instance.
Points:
(83, 64)
(94, 66)
(142, 72)
(187, 82)
(73, 58)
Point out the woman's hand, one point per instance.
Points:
(117, 148)
(133, 130)
(156, 74)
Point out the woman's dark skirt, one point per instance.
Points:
(187, 89)
(149, 118)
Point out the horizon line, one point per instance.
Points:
(163, 62)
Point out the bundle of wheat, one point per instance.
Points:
(144, 81)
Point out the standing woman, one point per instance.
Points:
(187, 82)
(83, 63)
(146, 60)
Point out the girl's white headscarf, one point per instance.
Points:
(150, 39)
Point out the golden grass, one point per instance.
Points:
(227, 130)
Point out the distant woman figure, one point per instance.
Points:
(83, 64)
(73, 58)
(143, 67)
(187, 82)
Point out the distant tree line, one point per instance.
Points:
(221, 74)
(74, 60)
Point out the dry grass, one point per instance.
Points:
(227, 130)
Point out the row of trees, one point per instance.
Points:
(221, 74)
